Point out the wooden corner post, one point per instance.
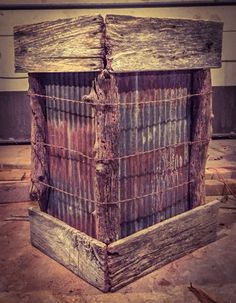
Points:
(39, 157)
(106, 162)
(201, 130)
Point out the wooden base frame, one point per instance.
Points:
(110, 267)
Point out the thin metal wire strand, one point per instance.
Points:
(121, 104)
(207, 140)
(112, 202)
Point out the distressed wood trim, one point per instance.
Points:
(107, 121)
(201, 129)
(141, 44)
(110, 267)
(81, 254)
(147, 250)
(128, 43)
(39, 155)
(64, 45)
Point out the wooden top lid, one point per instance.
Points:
(118, 43)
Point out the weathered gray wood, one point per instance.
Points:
(138, 44)
(201, 130)
(83, 255)
(39, 154)
(152, 248)
(107, 121)
(132, 44)
(14, 191)
(62, 45)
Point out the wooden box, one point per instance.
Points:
(121, 122)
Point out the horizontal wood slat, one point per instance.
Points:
(61, 45)
(154, 247)
(110, 267)
(128, 43)
(75, 250)
(140, 44)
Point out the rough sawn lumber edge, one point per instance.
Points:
(107, 125)
(39, 153)
(201, 130)
(147, 250)
(146, 44)
(83, 255)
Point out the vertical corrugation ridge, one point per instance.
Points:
(145, 127)
(70, 125)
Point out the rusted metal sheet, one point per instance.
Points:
(71, 125)
(146, 127)
(148, 124)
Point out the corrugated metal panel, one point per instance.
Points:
(145, 127)
(71, 125)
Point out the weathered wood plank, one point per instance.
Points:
(152, 248)
(107, 121)
(39, 154)
(69, 45)
(14, 191)
(139, 44)
(83, 255)
(201, 130)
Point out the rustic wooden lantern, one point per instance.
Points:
(121, 121)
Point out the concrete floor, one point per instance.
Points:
(27, 275)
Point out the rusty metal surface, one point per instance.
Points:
(143, 127)
(71, 125)
(147, 127)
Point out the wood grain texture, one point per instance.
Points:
(152, 248)
(140, 44)
(39, 154)
(83, 255)
(128, 43)
(61, 45)
(201, 129)
(107, 121)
